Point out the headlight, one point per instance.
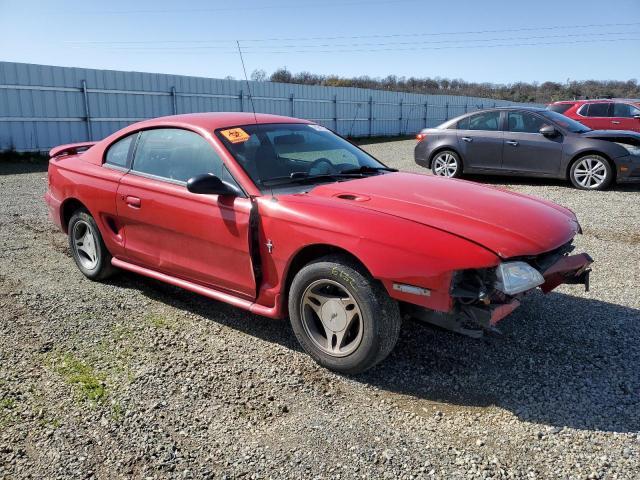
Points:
(516, 277)
(632, 149)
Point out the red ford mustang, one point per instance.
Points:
(281, 216)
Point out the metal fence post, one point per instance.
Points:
(426, 114)
(466, 107)
(370, 116)
(335, 111)
(293, 110)
(174, 100)
(241, 98)
(400, 120)
(446, 112)
(87, 112)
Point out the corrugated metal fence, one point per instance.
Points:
(42, 106)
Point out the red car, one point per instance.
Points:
(614, 114)
(281, 216)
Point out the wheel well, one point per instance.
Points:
(442, 149)
(308, 255)
(68, 208)
(590, 152)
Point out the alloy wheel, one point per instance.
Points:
(445, 165)
(331, 318)
(84, 244)
(590, 172)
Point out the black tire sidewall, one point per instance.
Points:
(365, 294)
(607, 167)
(103, 266)
(458, 173)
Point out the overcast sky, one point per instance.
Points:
(493, 41)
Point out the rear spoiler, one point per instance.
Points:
(70, 149)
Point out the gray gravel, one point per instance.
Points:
(137, 379)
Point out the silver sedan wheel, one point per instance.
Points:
(590, 172)
(331, 318)
(84, 244)
(445, 165)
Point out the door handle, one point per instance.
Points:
(512, 142)
(134, 202)
(467, 139)
(615, 122)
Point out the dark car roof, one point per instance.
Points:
(503, 109)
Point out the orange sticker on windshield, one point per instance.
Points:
(235, 135)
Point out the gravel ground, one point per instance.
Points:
(136, 379)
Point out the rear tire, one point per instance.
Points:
(342, 318)
(591, 172)
(87, 247)
(447, 163)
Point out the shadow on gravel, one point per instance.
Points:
(16, 168)
(561, 361)
(268, 329)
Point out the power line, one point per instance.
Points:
(341, 37)
(448, 47)
(416, 44)
(371, 50)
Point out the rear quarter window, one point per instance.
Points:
(118, 153)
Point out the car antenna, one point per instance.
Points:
(246, 79)
(253, 107)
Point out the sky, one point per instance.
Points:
(489, 41)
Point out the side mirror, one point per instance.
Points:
(548, 131)
(209, 184)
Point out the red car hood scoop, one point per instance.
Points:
(507, 223)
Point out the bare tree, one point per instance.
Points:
(543, 92)
(258, 75)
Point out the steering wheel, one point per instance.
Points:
(321, 166)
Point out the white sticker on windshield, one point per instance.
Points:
(318, 128)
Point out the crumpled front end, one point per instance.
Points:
(483, 297)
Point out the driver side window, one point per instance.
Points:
(624, 110)
(175, 154)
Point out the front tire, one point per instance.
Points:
(342, 318)
(87, 247)
(447, 163)
(591, 172)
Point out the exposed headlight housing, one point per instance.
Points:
(517, 277)
(632, 149)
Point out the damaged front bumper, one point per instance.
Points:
(479, 306)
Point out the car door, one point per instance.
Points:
(201, 238)
(625, 116)
(526, 149)
(595, 115)
(480, 140)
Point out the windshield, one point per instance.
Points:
(296, 153)
(566, 122)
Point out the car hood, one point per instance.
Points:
(506, 223)
(624, 136)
